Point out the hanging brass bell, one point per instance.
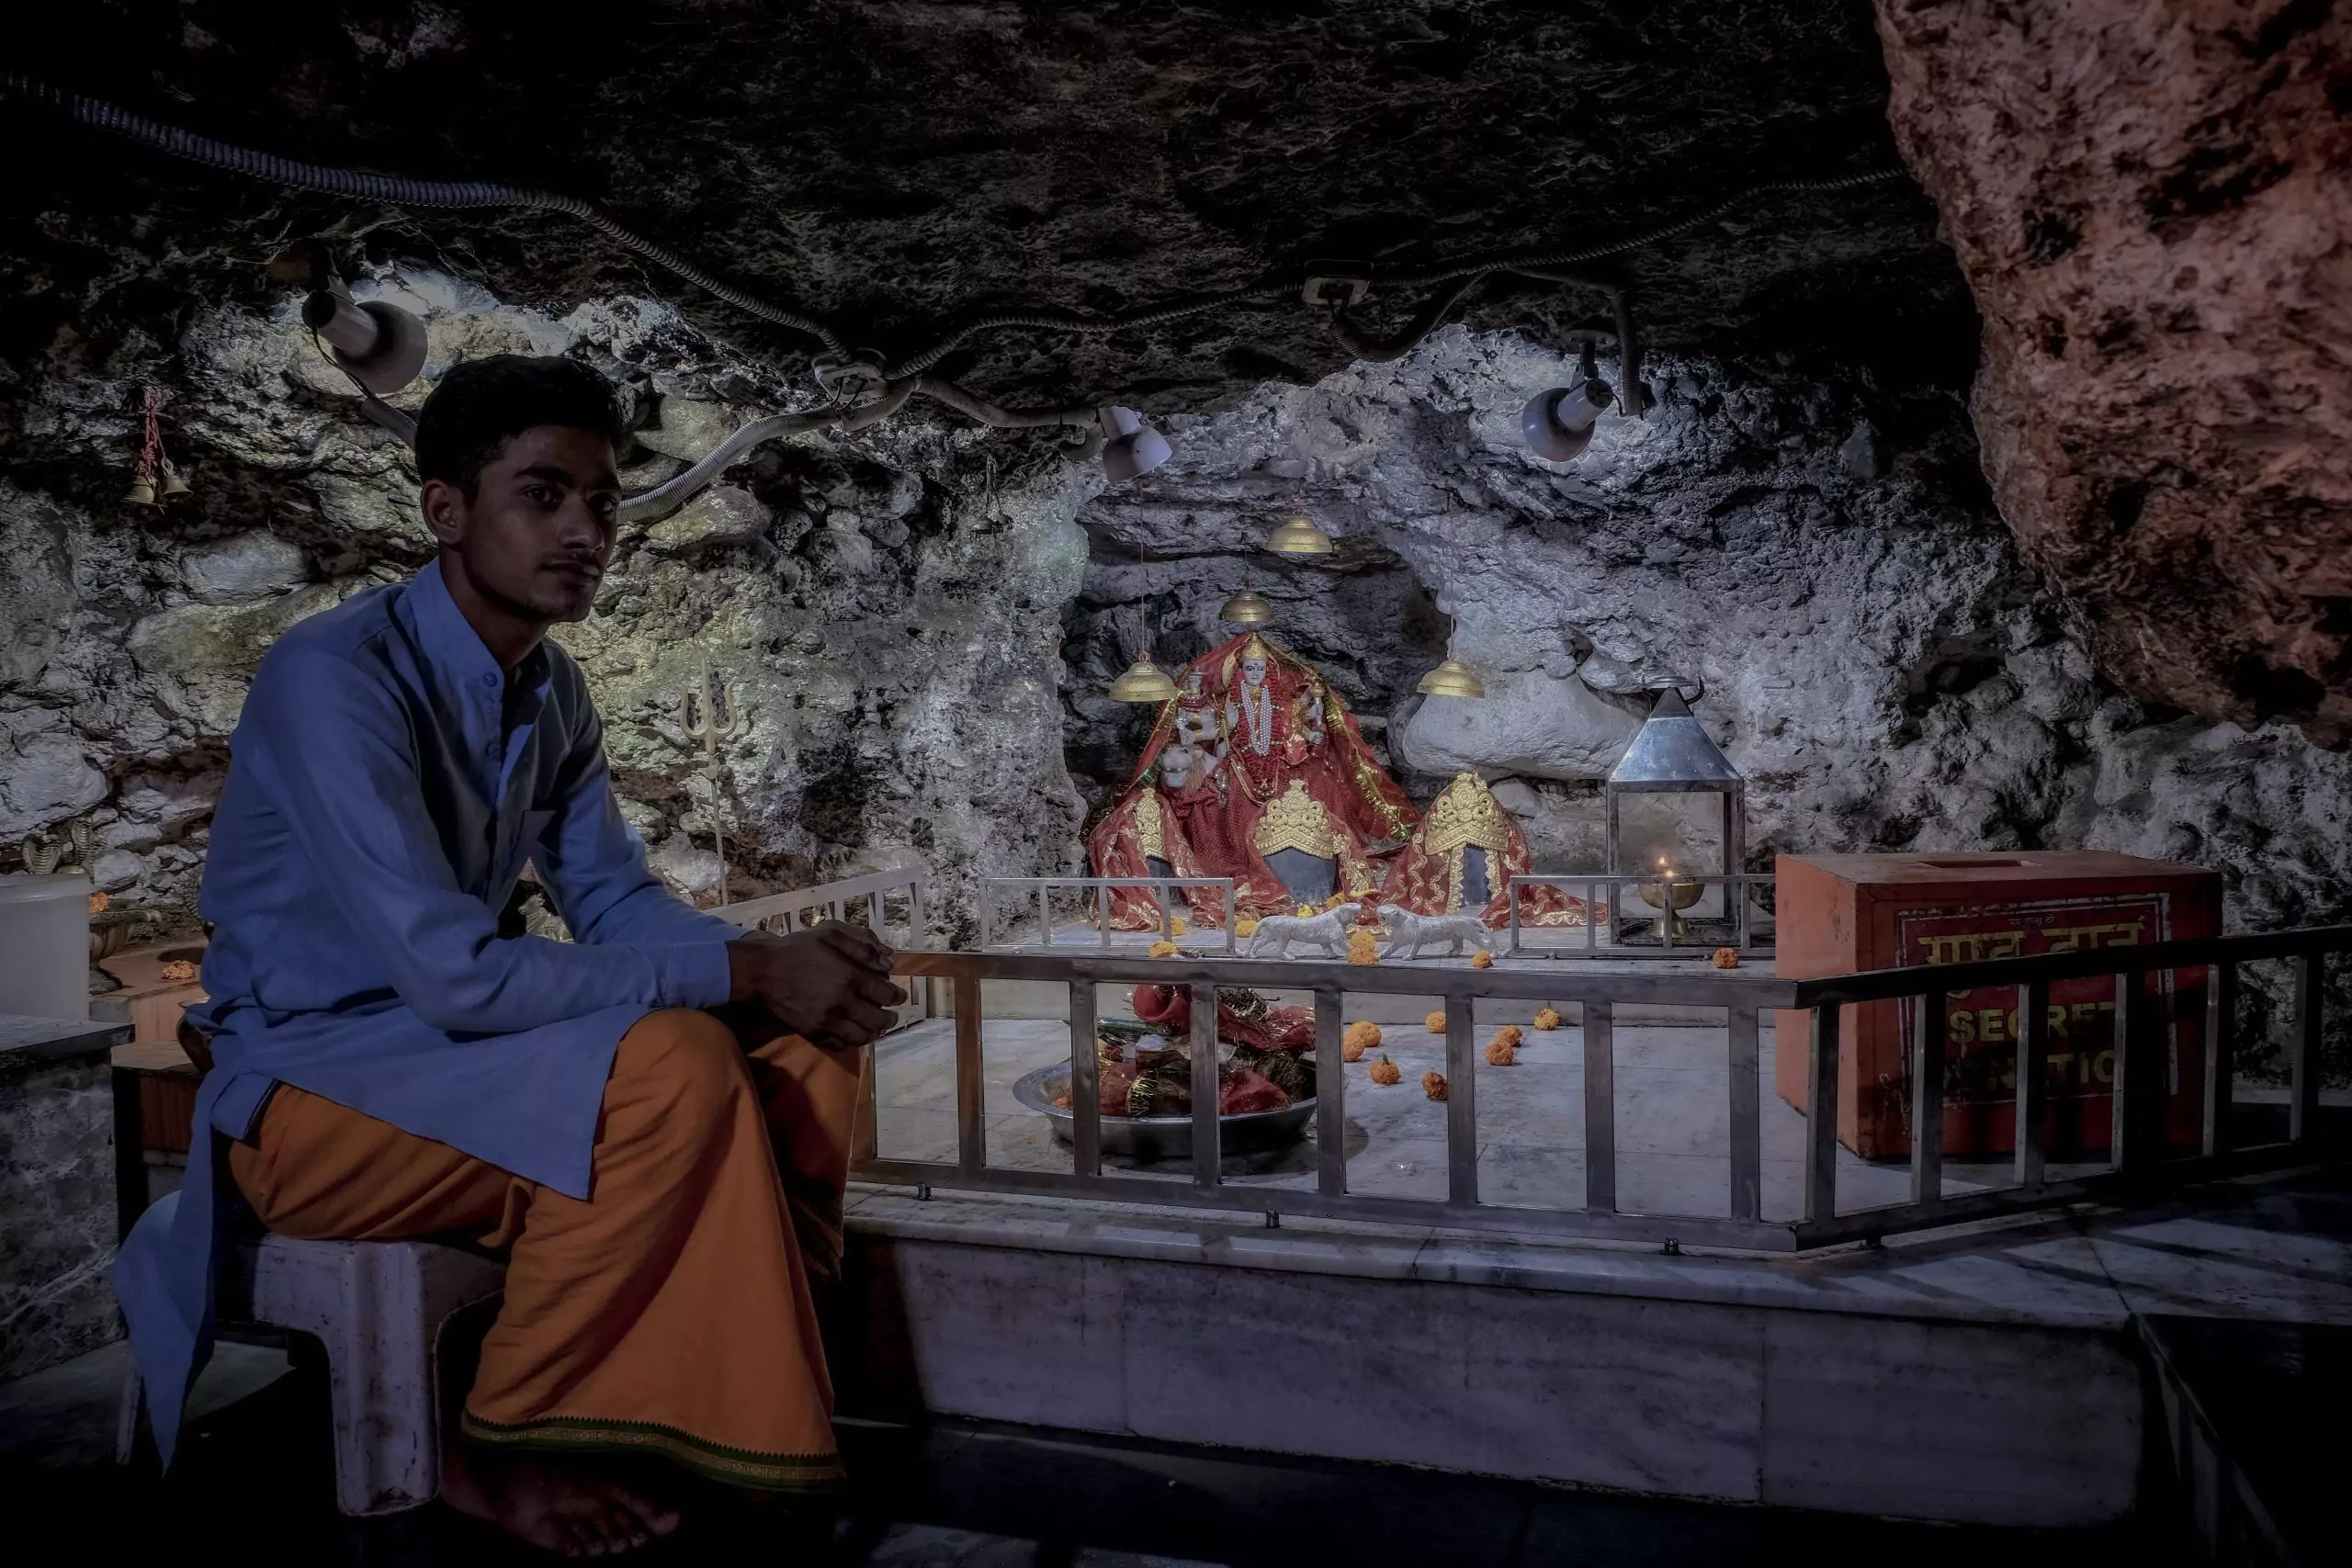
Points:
(1143, 682)
(1247, 608)
(1451, 678)
(174, 486)
(1299, 536)
(141, 491)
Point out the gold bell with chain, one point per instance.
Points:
(1299, 536)
(1144, 681)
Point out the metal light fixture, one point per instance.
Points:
(1247, 608)
(1144, 681)
(1558, 423)
(1130, 448)
(1299, 536)
(1451, 678)
(378, 346)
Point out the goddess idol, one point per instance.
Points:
(1255, 770)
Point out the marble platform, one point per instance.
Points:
(1990, 1375)
(57, 1189)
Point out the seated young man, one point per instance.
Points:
(386, 1064)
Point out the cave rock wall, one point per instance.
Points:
(1815, 548)
(883, 610)
(2153, 206)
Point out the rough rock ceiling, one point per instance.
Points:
(893, 166)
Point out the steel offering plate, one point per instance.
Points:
(1148, 1138)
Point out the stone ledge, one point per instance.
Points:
(2079, 1270)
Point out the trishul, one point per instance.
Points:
(709, 717)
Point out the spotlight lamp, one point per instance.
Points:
(1130, 448)
(379, 346)
(1558, 423)
(1299, 536)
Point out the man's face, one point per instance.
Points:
(537, 535)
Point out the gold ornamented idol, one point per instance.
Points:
(1461, 858)
(1253, 736)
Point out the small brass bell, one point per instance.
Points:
(1247, 608)
(1143, 682)
(1451, 678)
(174, 486)
(1299, 536)
(141, 491)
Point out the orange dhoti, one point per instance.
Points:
(670, 1311)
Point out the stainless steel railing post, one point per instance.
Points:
(1821, 1118)
(1600, 1107)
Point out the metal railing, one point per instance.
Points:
(2139, 1164)
(995, 890)
(1590, 888)
(2139, 1154)
(834, 900)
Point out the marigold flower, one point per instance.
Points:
(1359, 1038)
(1364, 947)
(1482, 959)
(1502, 1053)
(98, 902)
(1433, 1084)
(178, 971)
(1176, 926)
(1163, 949)
(1436, 1022)
(1547, 1018)
(1384, 1071)
(1245, 926)
(1726, 958)
(1509, 1034)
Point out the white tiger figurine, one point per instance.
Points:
(1328, 930)
(1409, 931)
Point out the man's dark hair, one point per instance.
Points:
(482, 405)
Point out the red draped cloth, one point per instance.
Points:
(1291, 728)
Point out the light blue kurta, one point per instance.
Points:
(387, 784)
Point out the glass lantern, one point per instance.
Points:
(1671, 755)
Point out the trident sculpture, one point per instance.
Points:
(709, 717)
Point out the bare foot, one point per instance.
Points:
(574, 1507)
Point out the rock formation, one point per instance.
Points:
(883, 608)
(2153, 208)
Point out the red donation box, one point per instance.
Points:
(1838, 914)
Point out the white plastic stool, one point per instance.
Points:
(378, 1307)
